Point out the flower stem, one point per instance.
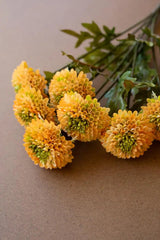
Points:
(116, 79)
(121, 72)
(132, 73)
(117, 68)
(118, 35)
(111, 52)
(153, 49)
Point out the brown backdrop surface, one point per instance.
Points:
(97, 196)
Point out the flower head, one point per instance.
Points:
(152, 112)
(129, 136)
(30, 104)
(45, 145)
(83, 119)
(24, 76)
(65, 81)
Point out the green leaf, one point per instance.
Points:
(127, 76)
(154, 95)
(118, 95)
(92, 27)
(68, 55)
(95, 56)
(128, 84)
(127, 81)
(70, 32)
(147, 80)
(82, 37)
(108, 31)
(140, 99)
(131, 37)
(157, 38)
(115, 100)
(148, 43)
(158, 42)
(147, 31)
(48, 76)
(145, 84)
(81, 66)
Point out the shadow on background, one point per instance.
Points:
(91, 158)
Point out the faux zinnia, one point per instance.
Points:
(25, 76)
(65, 81)
(152, 112)
(83, 119)
(29, 104)
(46, 146)
(129, 136)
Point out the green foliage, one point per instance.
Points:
(81, 66)
(69, 56)
(93, 28)
(130, 77)
(132, 38)
(147, 79)
(117, 96)
(97, 37)
(152, 35)
(48, 76)
(70, 32)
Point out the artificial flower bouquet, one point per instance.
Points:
(62, 107)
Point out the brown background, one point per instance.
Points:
(98, 196)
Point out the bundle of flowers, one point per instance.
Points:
(62, 107)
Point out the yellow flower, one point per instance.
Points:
(65, 81)
(152, 112)
(24, 76)
(83, 119)
(45, 145)
(30, 104)
(129, 136)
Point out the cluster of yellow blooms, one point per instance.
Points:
(46, 146)
(66, 81)
(30, 104)
(129, 136)
(24, 76)
(82, 118)
(70, 108)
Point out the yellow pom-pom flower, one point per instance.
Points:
(82, 119)
(129, 136)
(30, 104)
(152, 112)
(46, 146)
(65, 81)
(24, 76)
